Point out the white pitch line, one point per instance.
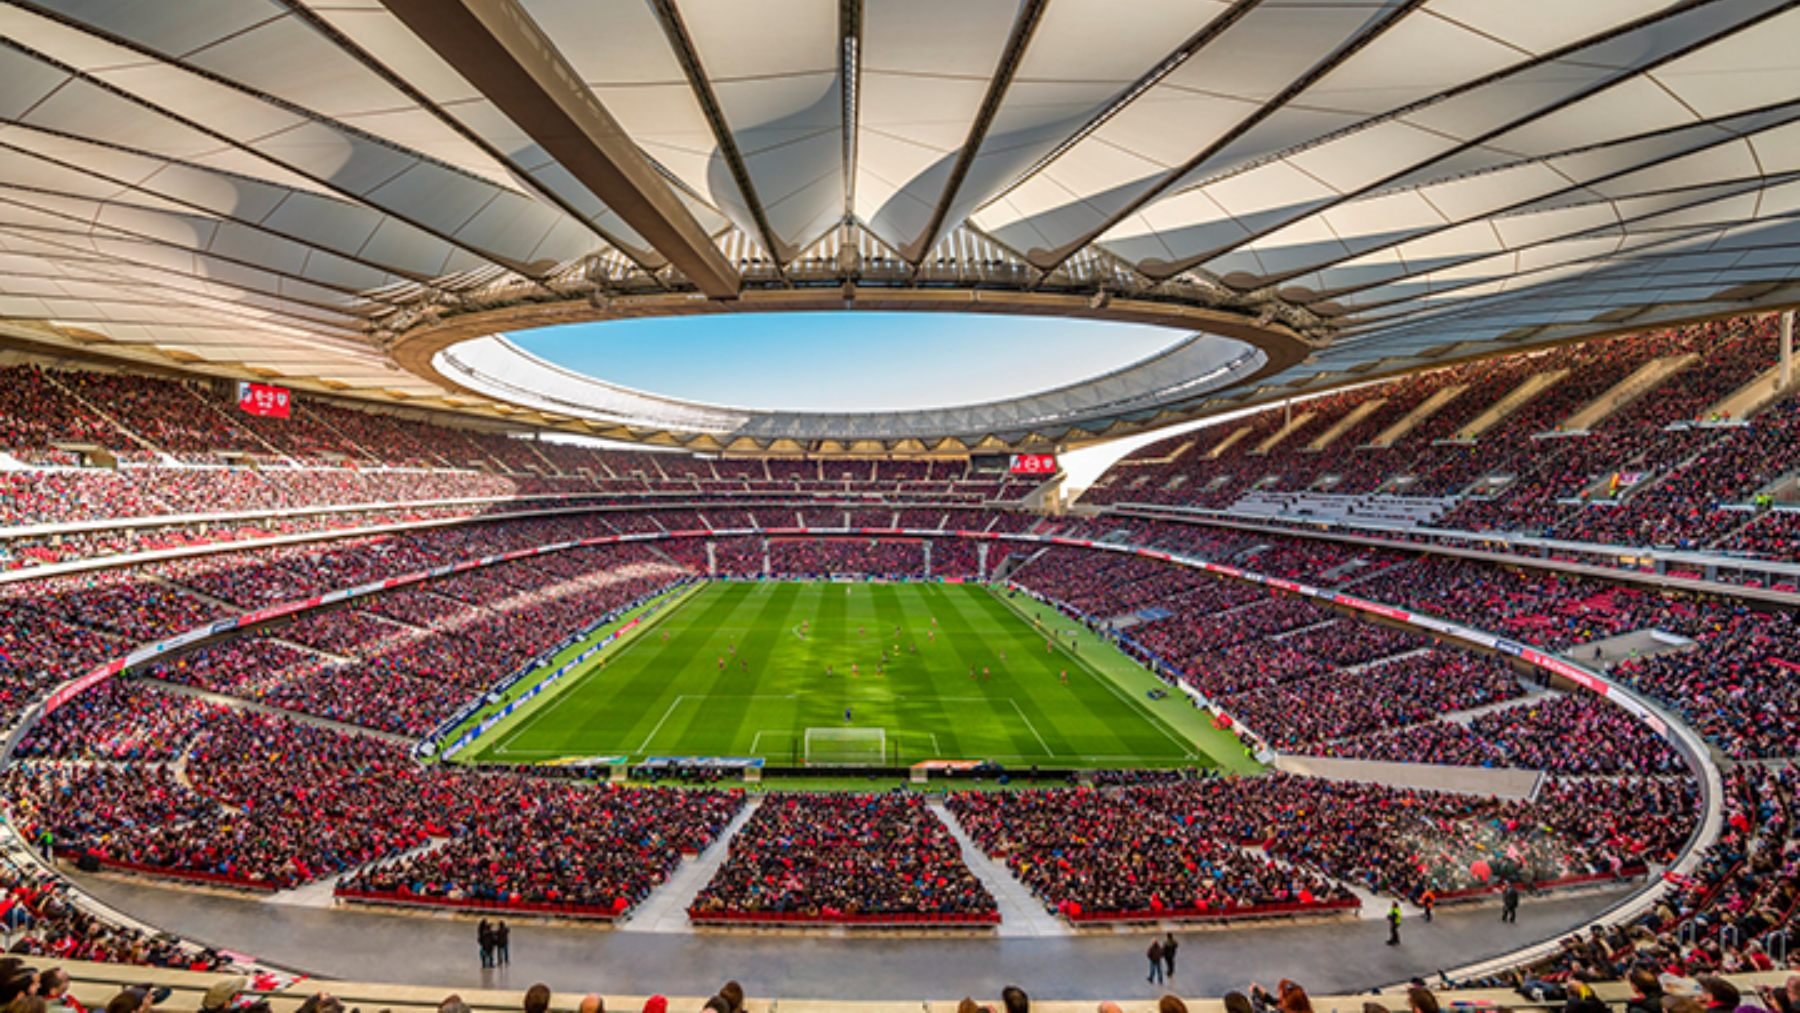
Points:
(645, 748)
(1093, 672)
(1021, 712)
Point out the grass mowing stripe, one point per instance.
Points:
(985, 654)
(666, 694)
(1089, 691)
(1186, 746)
(671, 604)
(1118, 671)
(1020, 711)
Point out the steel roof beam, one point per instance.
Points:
(496, 46)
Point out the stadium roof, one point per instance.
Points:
(331, 193)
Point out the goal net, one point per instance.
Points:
(846, 747)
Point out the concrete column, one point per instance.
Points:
(712, 558)
(981, 557)
(765, 550)
(1787, 349)
(928, 544)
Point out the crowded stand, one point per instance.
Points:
(955, 559)
(1721, 918)
(99, 774)
(1091, 855)
(1655, 469)
(1446, 743)
(1404, 841)
(555, 848)
(1737, 686)
(843, 859)
(888, 558)
(1569, 735)
(348, 665)
(41, 921)
(122, 721)
(256, 778)
(192, 453)
(1409, 690)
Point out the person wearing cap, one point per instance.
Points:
(221, 994)
(656, 1004)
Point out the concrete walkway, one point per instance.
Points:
(665, 910)
(439, 951)
(1021, 913)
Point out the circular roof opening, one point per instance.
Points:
(755, 377)
(848, 361)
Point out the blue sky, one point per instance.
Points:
(853, 360)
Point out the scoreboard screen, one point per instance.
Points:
(1032, 464)
(263, 399)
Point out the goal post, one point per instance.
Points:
(846, 747)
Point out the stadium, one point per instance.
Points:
(877, 506)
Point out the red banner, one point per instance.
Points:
(264, 399)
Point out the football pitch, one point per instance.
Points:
(878, 674)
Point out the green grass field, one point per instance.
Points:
(788, 651)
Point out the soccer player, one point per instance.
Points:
(846, 715)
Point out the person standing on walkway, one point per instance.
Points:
(484, 935)
(1509, 902)
(1169, 948)
(502, 943)
(1428, 901)
(1155, 954)
(1393, 920)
